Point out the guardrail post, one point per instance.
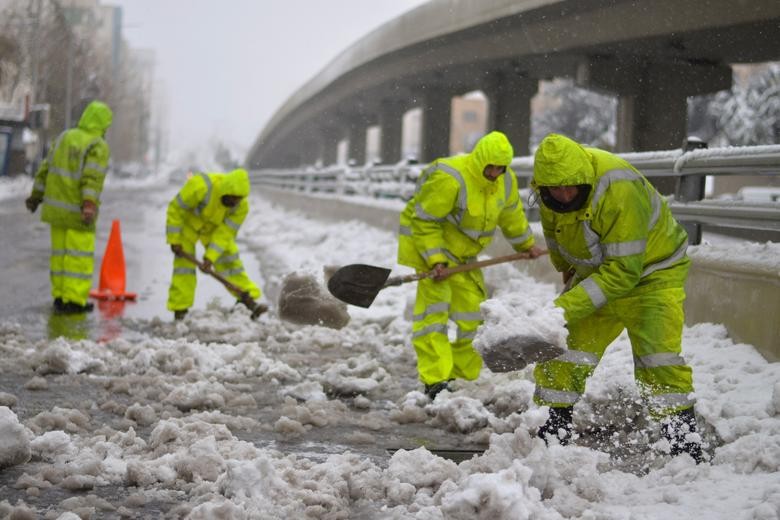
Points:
(691, 188)
(341, 181)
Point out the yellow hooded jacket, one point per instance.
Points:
(455, 210)
(197, 211)
(623, 238)
(75, 169)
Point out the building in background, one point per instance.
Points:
(58, 55)
(13, 134)
(469, 121)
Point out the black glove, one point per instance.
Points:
(32, 202)
(177, 249)
(206, 265)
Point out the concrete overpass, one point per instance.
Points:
(651, 54)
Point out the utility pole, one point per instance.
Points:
(41, 133)
(69, 81)
(35, 51)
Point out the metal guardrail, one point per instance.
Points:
(749, 219)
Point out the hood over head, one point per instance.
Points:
(560, 161)
(494, 148)
(96, 118)
(235, 183)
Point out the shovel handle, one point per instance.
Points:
(256, 308)
(213, 273)
(398, 280)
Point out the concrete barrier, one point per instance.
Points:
(744, 297)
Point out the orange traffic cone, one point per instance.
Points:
(112, 271)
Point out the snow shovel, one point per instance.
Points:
(358, 284)
(517, 352)
(243, 296)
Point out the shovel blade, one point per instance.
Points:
(358, 284)
(259, 309)
(516, 352)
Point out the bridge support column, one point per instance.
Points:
(391, 119)
(311, 151)
(652, 100)
(435, 130)
(357, 143)
(331, 135)
(290, 159)
(510, 109)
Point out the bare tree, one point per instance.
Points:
(45, 53)
(51, 51)
(11, 65)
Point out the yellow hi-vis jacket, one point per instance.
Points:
(75, 169)
(622, 240)
(198, 213)
(455, 210)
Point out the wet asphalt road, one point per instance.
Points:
(24, 262)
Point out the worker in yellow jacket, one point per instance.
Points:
(209, 208)
(623, 255)
(69, 184)
(458, 204)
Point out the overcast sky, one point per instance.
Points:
(227, 65)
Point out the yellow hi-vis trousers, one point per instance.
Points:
(457, 298)
(71, 264)
(181, 293)
(654, 322)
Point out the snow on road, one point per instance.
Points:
(222, 417)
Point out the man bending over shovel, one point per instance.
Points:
(624, 256)
(457, 206)
(210, 207)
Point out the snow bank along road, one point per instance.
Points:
(219, 416)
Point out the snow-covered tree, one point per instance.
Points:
(749, 113)
(583, 115)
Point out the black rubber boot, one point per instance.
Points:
(559, 425)
(676, 428)
(74, 308)
(180, 314)
(433, 390)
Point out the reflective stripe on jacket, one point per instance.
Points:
(75, 169)
(623, 239)
(455, 210)
(197, 211)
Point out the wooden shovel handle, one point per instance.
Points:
(256, 308)
(227, 283)
(398, 280)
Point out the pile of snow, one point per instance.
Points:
(220, 416)
(16, 187)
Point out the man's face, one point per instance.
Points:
(564, 194)
(493, 172)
